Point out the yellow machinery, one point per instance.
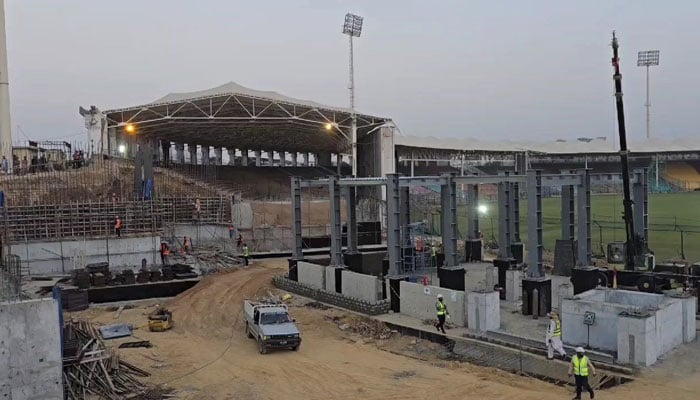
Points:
(160, 320)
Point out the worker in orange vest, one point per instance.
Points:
(118, 226)
(187, 245)
(164, 253)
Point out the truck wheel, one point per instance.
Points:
(247, 330)
(261, 347)
(645, 284)
(296, 348)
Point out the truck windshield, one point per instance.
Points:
(274, 318)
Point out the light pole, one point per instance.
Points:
(353, 28)
(647, 59)
(5, 127)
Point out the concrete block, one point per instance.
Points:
(690, 305)
(361, 286)
(636, 342)
(479, 276)
(418, 301)
(30, 350)
(513, 285)
(483, 311)
(669, 327)
(562, 291)
(311, 274)
(331, 285)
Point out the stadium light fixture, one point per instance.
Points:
(482, 209)
(648, 58)
(122, 149)
(130, 128)
(353, 28)
(329, 126)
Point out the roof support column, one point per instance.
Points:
(192, 149)
(244, 157)
(515, 197)
(231, 156)
(179, 153)
(534, 224)
(296, 216)
(350, 204)
(294, 155)
(473, 201)
(336, 228)
(584, 219)
(448, 193)
(218, 156)
(567, 212)
(258, 158)
(271, 158)
(393, 229)
(504, 219)
(205, 154)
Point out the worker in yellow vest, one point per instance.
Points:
(246, 253)
(580, 367)
(442, 313)
(553, 337)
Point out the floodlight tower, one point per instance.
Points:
(5, 126)
(353, 28)
(647, 59)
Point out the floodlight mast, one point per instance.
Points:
(353, 28)
(5, 125)
(647, 59)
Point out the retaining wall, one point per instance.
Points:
(30, 350)
(336, 299)
(360, 286)
(63, 256)
(418, 301)
(312, 274)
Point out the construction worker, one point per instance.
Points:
(164, 253)
(433, 254)
(580, 367)
(553, 337)
(187, 245)
(231, 231)
(239, 241)
(442, 313)
(246, 253)
(118, 226)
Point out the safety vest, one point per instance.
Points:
(434, 251)
(557, 328)
(118, 224)
(166, 251)
(441, 308)
(245, 251)
(580, 365)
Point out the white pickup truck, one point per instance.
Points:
(271, 326)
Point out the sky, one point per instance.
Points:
(497, 69)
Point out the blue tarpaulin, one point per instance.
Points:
(115, 331)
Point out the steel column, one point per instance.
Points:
(393, 201)
(584, 219)
(350, 204)
(535, 268)
(515, 212)
(504, 218)
(296, 218)
(473, 200)
(336, 228)
(405, 206)
(448, 193)
(567, 213)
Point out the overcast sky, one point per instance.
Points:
(486, 69)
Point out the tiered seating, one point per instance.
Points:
(683, 174)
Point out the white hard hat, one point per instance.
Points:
(439, 296)
(580, 350)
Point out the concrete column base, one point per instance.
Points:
(483, 311)
(513, 284)
(636, 340)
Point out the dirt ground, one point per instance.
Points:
(207, 356)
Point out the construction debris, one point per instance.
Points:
(366, 327)
(141, 343)
(115, 331)
(89, 368)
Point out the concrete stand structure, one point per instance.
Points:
(640, 327)
(483, 311)
(30, 350)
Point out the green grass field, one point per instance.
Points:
(668, 214)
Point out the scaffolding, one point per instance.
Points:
(413, 249)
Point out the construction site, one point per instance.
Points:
(232, 243)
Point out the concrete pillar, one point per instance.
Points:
(179, 153)
(271, 158)
(218, 156)
(192, 149)
(258, 156)
(205, 150)
(294, 159)
(244, 157)
(567, 212)
(513, 287)
(231, 156)
(483, 311)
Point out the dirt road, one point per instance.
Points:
(208, 356)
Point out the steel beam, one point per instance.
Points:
(473, 201)
(336, 228)
(515, 195)
(393, 201)
(417, 181)
(297, 252)
(535, 268)
(568, 221)
(584, 219)
(350, 204)
(448, 193)
(504, 217)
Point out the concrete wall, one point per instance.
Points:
(330, 278)
(561, 288)
(690, 305)
(418, 301)
(360, 286)
(514, 285)
(603, 333)
(63, 256)
(669, 327)
(635, 340)
(311, 274)
(30, 350)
